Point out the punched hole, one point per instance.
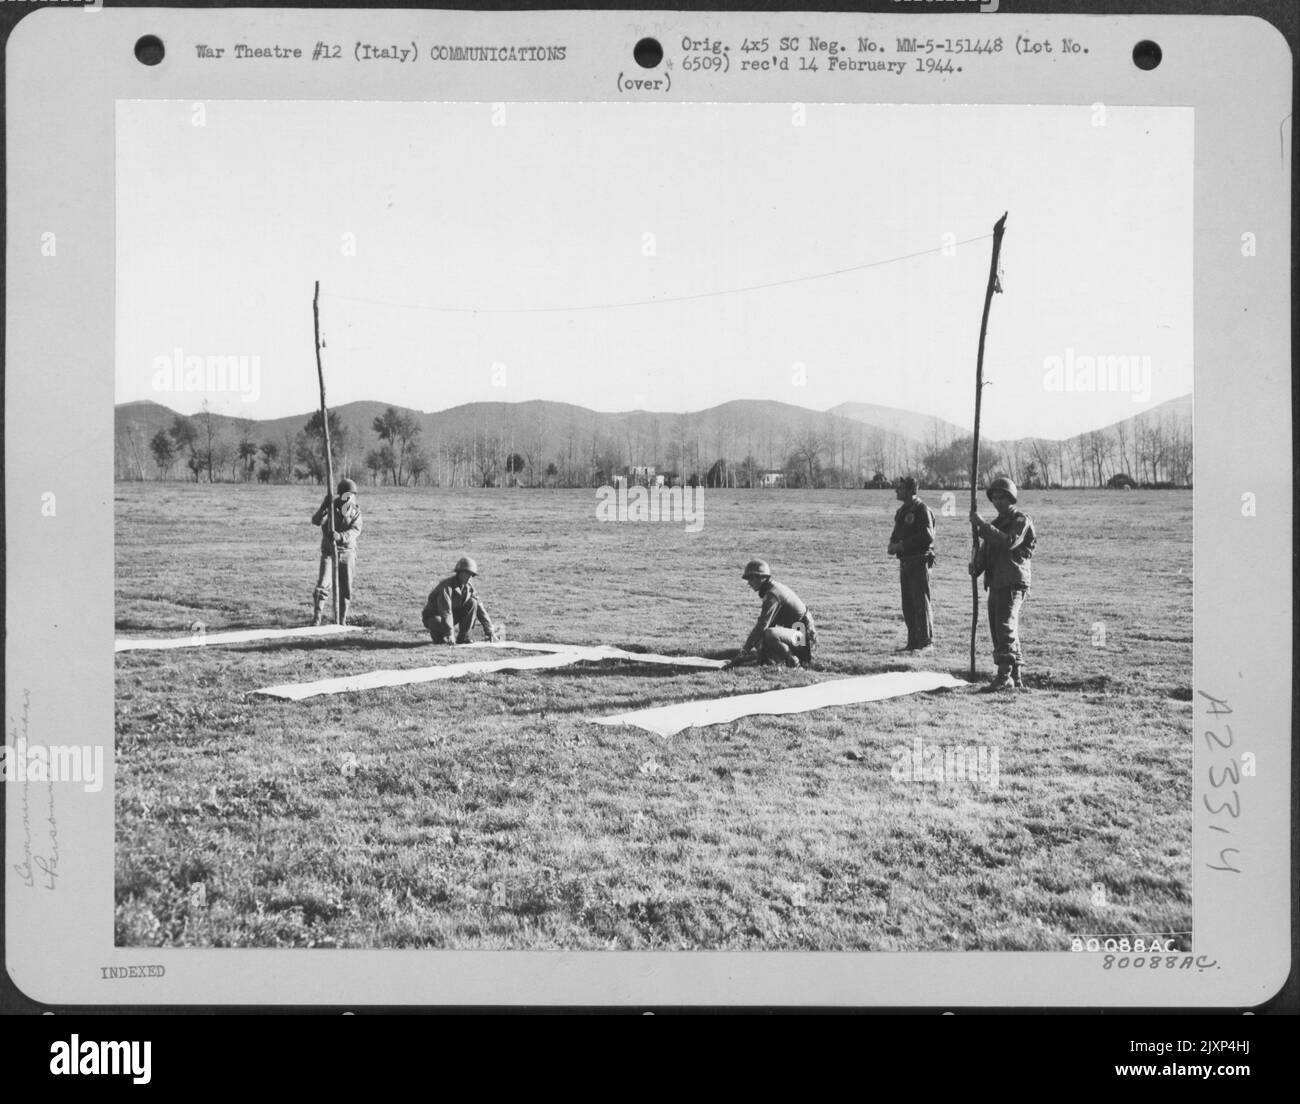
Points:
(149, 50)
(1146, 54)
(648, 53)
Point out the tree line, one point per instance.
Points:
(1153, 450)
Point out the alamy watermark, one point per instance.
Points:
(237, 374)
(681, 505)
(115, 1058)
(949, 765)
(1119, 374)
(24, 762)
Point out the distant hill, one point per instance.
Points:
(570, 445)
(548, 432)
(906, 423)
(1178, 410)
(1152, 447)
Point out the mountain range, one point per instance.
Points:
(855, 436)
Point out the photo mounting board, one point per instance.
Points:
(69, 72)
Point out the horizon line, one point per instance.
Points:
(663, 413)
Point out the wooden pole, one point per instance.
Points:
(998, 229)
(329, 458)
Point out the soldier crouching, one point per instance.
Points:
(453, 607)
(784, 632)
(1006, 545)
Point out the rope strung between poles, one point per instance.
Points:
(687, 298)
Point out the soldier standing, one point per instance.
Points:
(343, 544)
(784, 626)
(912, 541)
(453, 607)
(1006, 545)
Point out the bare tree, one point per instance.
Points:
(487, 459)
(1122, 437)
(459, 454)
(207, 421)
(290, 439)
(809, 445)
(134, 450)
(1099, 447)
(417, 463)
(1179, 434)
(535, 448)
(606, 459)
(722, 434)
(1151, 447)
(1041, 456)
(1013, 459)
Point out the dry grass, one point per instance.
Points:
(485, 813)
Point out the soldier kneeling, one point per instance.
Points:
(453, 607)
(784, 632)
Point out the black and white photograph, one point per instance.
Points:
(561, 526)
(647, 510)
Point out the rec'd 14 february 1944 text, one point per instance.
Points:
(864, 55)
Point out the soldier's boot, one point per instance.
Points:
(343, 610)
(1001, 682)
(1018, 677)
(318, 600)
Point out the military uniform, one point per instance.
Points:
(913, 539)
(347, 530)
(453, 607)
(784, 626)
(1006, 545)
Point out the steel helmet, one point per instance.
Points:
(756, 567)
(1002, 483)
(346, 486)
(467, 564)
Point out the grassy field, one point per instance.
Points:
(484, 813)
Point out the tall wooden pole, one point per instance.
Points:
(329, 456)
(998, 229)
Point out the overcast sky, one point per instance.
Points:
(453, 253)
